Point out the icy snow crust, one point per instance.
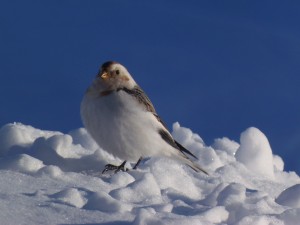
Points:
(54, 178)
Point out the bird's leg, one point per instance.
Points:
(115, 168)
(137, 163)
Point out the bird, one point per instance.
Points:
(122, 120)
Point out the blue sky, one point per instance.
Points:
(216, 67)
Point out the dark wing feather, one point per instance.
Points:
(183, 149)
(160, 120)
(168, 138)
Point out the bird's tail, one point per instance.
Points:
(192, 164)
(196, 167)
(185, 153)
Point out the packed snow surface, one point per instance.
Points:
(54, 178)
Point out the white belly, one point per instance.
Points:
(124, 130)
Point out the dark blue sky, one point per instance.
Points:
(217, 67)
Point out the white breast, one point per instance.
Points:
(121, 126)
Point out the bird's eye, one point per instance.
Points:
(117, 72)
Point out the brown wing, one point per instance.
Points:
(143, 99)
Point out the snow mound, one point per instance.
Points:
(255, 152)
(54, 178)
(70, 196)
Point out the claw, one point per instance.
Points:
(109, 167)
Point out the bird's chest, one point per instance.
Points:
(117, 105)
(115, 114)
(120, 125)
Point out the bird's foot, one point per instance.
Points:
(109, 167)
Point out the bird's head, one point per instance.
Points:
(113, 75)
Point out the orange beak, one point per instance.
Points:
(104, 75)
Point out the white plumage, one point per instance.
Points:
(122, 120)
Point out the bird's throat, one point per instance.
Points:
(107, 92)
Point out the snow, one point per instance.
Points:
(290, 197)
(255, 152)
(49, 177)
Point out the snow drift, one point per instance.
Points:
(54, 178)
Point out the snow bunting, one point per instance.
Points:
(122, 120)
